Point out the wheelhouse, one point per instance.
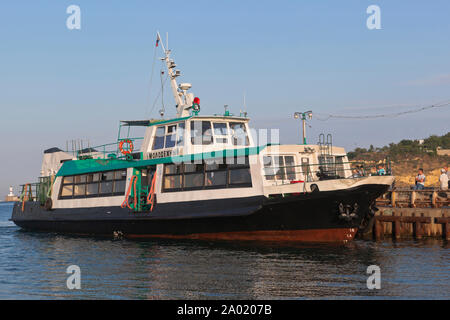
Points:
(195, 134)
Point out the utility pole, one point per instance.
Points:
(302, 116)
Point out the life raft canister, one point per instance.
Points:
(129, 149)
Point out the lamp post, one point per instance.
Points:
(302, 116)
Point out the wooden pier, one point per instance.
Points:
(407, 198)
(405, 213)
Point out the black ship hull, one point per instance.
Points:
(325, 216)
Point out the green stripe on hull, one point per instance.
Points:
(75, 167)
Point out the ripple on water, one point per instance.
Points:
(33, 266)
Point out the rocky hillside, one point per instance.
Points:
(407, 157)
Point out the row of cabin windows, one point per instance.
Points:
(282, 167)
(101, 184)
(279, 168)
(207, 175)
(332, 165)
(202, 133)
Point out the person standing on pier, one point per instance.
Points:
(443, 180)
(420, 180)
(448, 175)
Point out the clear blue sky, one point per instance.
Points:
(57, 84)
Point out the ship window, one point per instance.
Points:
(80, 179)
(171, 136)
(94, 177)
(220, 132)
(193, 167)
(210, 174)
(68, 180)
(213, 166)
(172, 169)
(158, 142)
(80, 190)
(326, 165)
(239, 134)
(201, 133)
(269, 168)
(106, 187)
(194, 180)
(107, 176)
(120, 175)
(180, 134)
(67, 191)
(193, 175)
(237, 162)
(119, 186)
(216, 178)
(279, 167)
(109, 183)
(220, 129)
(240, 176)
(172, 182)
(92, 189)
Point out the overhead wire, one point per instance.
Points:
(151, 78)
(388, 115)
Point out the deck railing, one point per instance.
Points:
(325, 171)
(409, 198)
(109, 150)
(37, 191)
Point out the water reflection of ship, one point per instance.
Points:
(197, 270)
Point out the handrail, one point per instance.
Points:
(328, 171)
(104, 150)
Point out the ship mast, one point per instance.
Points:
(183, 99)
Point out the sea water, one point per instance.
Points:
(33, 266)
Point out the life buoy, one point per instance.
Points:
(130, 146)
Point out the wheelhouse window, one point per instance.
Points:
(158, 142)
(221, 132)
(209, 174)
(169, 136)
(239, 135)
(201, 133)
(101, 184)
(279, 167)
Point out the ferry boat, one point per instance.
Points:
(201, 177)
